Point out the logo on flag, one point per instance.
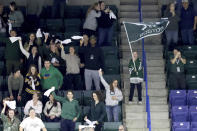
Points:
(137, 31)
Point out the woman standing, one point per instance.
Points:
(32, 83)
(105, 26)
(172, 29)
(97, 110)
(10, 122)
(73, 65)
(52, 110)
(113, 97)
(70, 111)
(90, 24)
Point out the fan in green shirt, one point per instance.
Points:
(70, 110)
(50, 76)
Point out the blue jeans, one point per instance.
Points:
(113, 112)
(171, 36)
(67, 125)
(105, 36)
(187, 36)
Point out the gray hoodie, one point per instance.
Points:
(117, 92)
(16, 16)
(91, 21)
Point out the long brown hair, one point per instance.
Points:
(111, 86)
(29, 71)
(9, 119)
(92, 7)
(99, 95)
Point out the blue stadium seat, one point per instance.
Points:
(193, 126)
(180, 114)
(178, 97)
(181, 126)
(193, 113)
(192, 97)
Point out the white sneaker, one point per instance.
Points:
(130, 102)
(140, 102)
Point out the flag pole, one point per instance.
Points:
(130, 46)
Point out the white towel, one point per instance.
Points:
(67, 41)
(90, 124)
(77, 37)
(32, 83)
(39, 33)
(11, 104)
(9, 27)
(112, 15)
(14, 39)
(45, 33)
(48, 92)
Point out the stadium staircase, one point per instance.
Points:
(135, 115)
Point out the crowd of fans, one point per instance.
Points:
(182, 15)
(39, 63)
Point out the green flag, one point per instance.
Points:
(137, 31)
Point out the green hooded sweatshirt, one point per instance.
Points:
(50, 78)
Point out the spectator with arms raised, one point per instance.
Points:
(113, 97)
(10, 122)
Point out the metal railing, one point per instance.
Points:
(145, 71)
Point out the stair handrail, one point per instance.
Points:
(145, 71)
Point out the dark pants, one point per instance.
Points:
(98, 127)
(67, 125)
(139, 90)
(15, 95)
(12, 64)
(187, 36)
(56, 119)
(105, 36)
(177, 81)
(73, 81)
(26, 97)
(58, 8)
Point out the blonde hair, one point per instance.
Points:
(92, 7)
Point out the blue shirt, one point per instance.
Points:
(187, 18)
